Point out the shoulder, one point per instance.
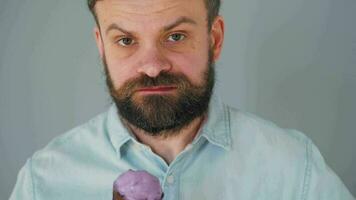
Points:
(284, 154)
(270, 153)
(66, 158)
(73, 144)
(265, 132)
(262, 143)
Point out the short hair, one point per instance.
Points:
(212, 6)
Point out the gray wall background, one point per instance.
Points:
(290, 61)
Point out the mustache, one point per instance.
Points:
(163, 79)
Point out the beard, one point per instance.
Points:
(162, 114)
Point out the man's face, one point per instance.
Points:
(159, 58)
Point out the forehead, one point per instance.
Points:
(148, 12)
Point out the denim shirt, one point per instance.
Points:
(235, 155)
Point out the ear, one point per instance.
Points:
(99, 41)
(217, 36)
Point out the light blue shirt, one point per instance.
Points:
(235, 156)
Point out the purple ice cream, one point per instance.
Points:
(138, 185)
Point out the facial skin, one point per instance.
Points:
(157, 41)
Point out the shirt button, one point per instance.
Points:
(170, 179)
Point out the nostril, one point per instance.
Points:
(153, 69)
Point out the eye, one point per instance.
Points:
(126, 41)
(176, 37)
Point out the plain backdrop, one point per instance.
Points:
(290, 61)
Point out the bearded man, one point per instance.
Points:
(167, 119)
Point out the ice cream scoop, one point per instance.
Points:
(137, 185)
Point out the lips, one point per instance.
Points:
(157, 89)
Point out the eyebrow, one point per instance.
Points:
(114, 26)
(179, 21)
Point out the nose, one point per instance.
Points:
(152, 62)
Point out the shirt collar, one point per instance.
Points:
(216, 128)
(118, 134)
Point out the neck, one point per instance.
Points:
(168, 145)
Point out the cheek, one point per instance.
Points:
(120, 71)
(191, 65)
